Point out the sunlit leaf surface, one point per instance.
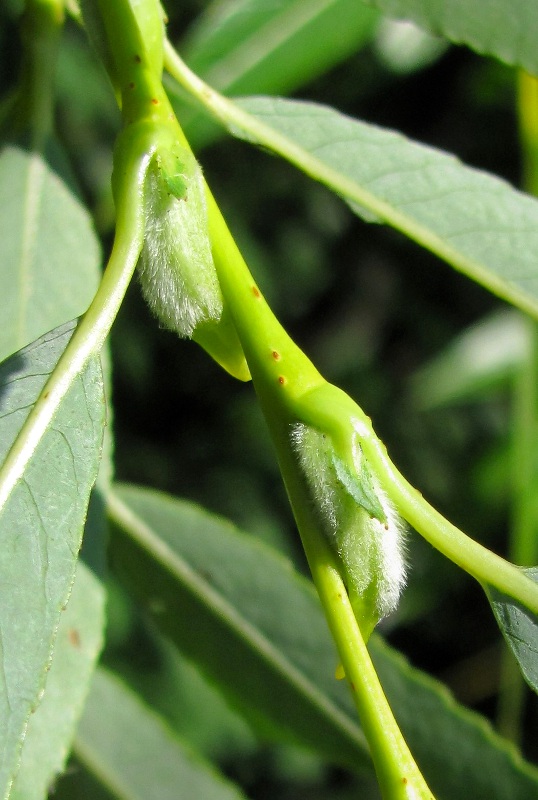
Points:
(477, 222)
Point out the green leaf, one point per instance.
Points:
(478, 223)
(154, 763)
(52, 726)
(273, 46)
(520, 629)
(360, 487)
(175, 689)
(256, 628)
(507, 29)
(48, 265)
(46, 286)
(41, 526)
(224, 600)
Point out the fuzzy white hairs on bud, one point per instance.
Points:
(176, 269)
(359, 521)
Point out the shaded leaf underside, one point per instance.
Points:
(155, 763)
(256, 629)
(520, 629)
(41, 526)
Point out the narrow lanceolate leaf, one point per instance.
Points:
(520, 629)
(270, 46)
(154, 763)
(49, 253)
(474, 221)
(256, 628)
(227, 607)
(52, 727)
(274, 45)
(507, 29)
(41, 527)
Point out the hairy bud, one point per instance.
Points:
(176, 268)
(359, 522)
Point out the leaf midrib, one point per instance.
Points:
(130, 522)
(263, 41)
(350, 189)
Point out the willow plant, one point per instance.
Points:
(352, 507)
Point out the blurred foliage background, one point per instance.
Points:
(370, 308)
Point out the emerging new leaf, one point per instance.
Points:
(359, 521)
(176, 267)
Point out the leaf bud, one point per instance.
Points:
(176, 268)
(359, 522)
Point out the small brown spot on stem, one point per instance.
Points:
(256, 291)
(137, 59)
(276, 355)
(74, 637)
(404, 781)
(282, 380)
(132, 85)
(154, 101)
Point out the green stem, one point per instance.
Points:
(528, 129)
(149, 121)
(290, 379)
(94, 326)
(398, 775)
(272, 355)
(133, 67)
(523, 539)
(282, 375)
(523, 545)
(521, 534)
(40, 31)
